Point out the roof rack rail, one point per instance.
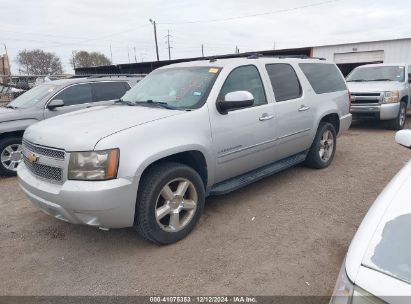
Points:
(106, 75)
(258, 55)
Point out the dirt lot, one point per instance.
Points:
(285, 235)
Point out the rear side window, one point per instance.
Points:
(324, 78)
(284, 81)
(109, 90)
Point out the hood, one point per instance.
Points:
(389, 251)
(7, 114)
(82, 130)
(374, 86)
(383, 241)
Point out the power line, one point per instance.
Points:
(252, 15)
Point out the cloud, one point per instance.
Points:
(95, 25)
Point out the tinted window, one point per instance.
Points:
(76, 94)
(110, 90)
(285, 82)
(245, 78)
(324, 78)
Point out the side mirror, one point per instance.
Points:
(235, 100)
(55, 103)
(403, 138)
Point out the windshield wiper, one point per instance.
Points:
(357, 80)
(382, 79)
(162, 104)
(10, 107)
(129, 103)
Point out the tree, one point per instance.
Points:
(83, 59)
(38, 62)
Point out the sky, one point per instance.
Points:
(64, 26)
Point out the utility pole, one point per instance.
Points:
(111, 55)
(128, 54)
(135, 56)
(168, 44)
(202, 50)
(73, 58)
(155, 37)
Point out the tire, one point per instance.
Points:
(318, 157)
(399, 122)
(9, 148)
(159, 227)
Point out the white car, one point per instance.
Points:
(378, 262)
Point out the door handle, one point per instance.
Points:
(265, 117)
(303, 108)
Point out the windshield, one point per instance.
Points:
(378, 73)
(33, 96)
(179, 88)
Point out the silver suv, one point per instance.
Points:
(51, 99)
(184, 132)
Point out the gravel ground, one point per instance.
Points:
(284, 235)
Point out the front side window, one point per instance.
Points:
(179, 88)
(377, 73)
(109, 90)
(245, 78)
(32, 96)
(323, 77)
(76, 94)
(284, 81)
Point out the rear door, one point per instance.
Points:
(292, 109)
(75, 97)
(243, 139)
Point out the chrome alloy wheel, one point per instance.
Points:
(403, 114)
(176, 205)
(11, 157)
(326, 146)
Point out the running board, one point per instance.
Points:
(255, 175)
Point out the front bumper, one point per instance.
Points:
(104, 204)
(381, 112)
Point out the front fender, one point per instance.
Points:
(145, 144)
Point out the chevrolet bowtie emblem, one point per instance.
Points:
(32, 158)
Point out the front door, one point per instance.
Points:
(75, 97)
(243, 139)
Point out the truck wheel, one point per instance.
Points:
(399, 122)
(323, 148)
(170, 202)
(10, 155)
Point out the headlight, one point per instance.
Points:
(391, 97)
(94, 165)
(344, 289)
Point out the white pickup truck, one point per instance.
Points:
(381, 91)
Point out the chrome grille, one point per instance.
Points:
(366, 98)
(46, 172)
(47, 152)
(49, 163)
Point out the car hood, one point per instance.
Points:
(82, 130)
(7, 114)
(383, 241)
(374, 86)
